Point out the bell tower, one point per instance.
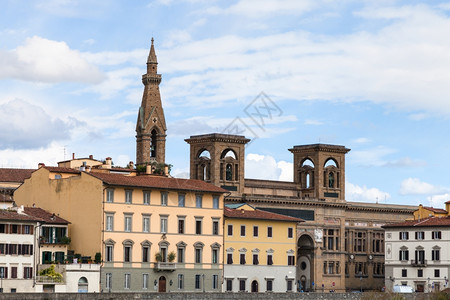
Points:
(151, 124)
(319, 171)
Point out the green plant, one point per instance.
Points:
(171, 256)
(98, 258)
(51, 273)
(158, 256)
(65, 240)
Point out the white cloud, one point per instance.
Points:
(43, 60)
(437, 201)
(312, 122)
(370, 157)
(29, 159)
(414, 186)
(358, 193)
(361, 140)
(259, 166)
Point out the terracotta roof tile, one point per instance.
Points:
(14, 216)
(258, 214)
(14, 175)
(436, 210)
(62, 170)
(158, 182)
(428, 222)
(48, 217)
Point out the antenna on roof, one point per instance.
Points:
(377, 201)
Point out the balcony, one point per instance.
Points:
(165, 266)
(419, 263)
(48, 279)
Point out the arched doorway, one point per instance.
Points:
(83, 285)
(254, 286)
(162, 284)
(305, 263)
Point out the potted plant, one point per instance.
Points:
(158, 257)
(171, 256)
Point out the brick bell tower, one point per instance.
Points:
(151, 124)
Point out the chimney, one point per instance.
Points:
(131, 165)
(91, 156)
(73, 155)
(148, 169)
(166, 170)
(108, 163)
(40, 165)
(83, 167)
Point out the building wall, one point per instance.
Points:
(76, 198)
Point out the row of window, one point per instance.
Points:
(437, 273)
(269, 232)
(163, 251)
(198, 281)
(359, 241)
(419, 255)
(361, 269)
(16, 229)
(27, 272)
(256, 260)
(164, 199)
(420, 235)
(255, 285)
(16, 249)
(164, 220)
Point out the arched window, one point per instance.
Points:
(153, 144)
(83, 285)
(229, 172)
(228, 153)
(330, 163)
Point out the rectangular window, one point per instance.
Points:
(164, 198)
(229, 285)
(145, 253)
(197, 282)
(27, 272)
(3, 272)
(109, 281)
(269, 231)
(230, 230)
(127, 281)
(146, 199)
(180, 254)
(198, 255)
(269, 285)
(289, 285)
(181, 200)
(128, 196)
(291, 260)
(404, 273)
(128, 222)
(419, 273)
(2, 228)
(290, 232)
(127, 253)
(404, 235)
(145, 281)
(26, 229)
(242, 258)
(420, 235)
(14, 228)
(198, 226)
(215, 282)
(109, 195)
(109, 222)
(436, 235)
(229, 258)
(216, 202)
(437, 273)
(215, 229)
(164, 224)
(435, 254)
(181, 225)
(145, 223)
(255, 231)
(404, 255)
(269, 259)
(109, 253)
(255, 259)
(14, 272)
(198, 201)
(242, 285)
(242, 230)
(180, 281)
(215, 256)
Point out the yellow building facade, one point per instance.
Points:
(259, 250)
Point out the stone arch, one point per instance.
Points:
(331, 173)
(228, 152)
(83, 285)
(306, 173)
(305, 262)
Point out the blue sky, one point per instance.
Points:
(370, 75)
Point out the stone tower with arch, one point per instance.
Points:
(319, 171)
(151, 124)
(218, 159)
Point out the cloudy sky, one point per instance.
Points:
(370, 75)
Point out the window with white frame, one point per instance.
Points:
(198, 225)
(404, 235)
(164, 219)
(216, 202)
(215, 253)
(128, 196)
(403, 254)
(198, 201)
(290, 232)
(109, 195)
(109, 250)
(436, 235)
(269, 231)
(420, 235)
(181, 224)
(197, 281)
(215, 282)
(436, 253)
(146, 251)
(181, 250)
(181, 200)
(145, 279)
(145, 223)
(127, 283)
(109, 222)
(128, 218)
(164, 198)
(198, 252)
(127, 250)
(229, 283)
(108, 282)
(146, 197)
(215, 226)
(180, 281)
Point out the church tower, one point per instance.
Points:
(151, 124)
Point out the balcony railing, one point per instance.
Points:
(165, 266)
(48, 279)
(419, 262)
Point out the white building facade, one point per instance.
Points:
(417, 254)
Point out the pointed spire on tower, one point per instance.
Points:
(152, 54)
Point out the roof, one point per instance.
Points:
(427, 222)
(436, 210)
(63, 170)
(258, 214)
(12, 215)
(234, 205)
(158, 182)
(44, 215)
(14, 175)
